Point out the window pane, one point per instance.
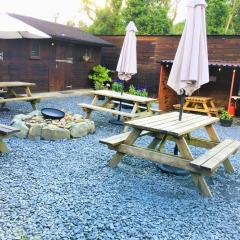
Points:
(35, 50)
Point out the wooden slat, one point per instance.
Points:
(103, 109)
(124, 96)
(120, 138)
(194, 126)
(4, 129)
(4, 100)
(156, 156)
(202, 159)
(212, 163)
(15, 84)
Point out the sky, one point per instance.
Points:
(64, 9)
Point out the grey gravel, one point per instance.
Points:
(64, 190)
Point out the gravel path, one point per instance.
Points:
(64, 190)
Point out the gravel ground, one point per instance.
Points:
(64, 190)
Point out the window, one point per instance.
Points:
(35, 50)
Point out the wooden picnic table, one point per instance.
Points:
(5, 132)
(199, 104)
(111, 102)
(167, 127)
(10, 93)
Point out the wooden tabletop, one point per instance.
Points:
(198, 98)
(15, 84)
(124, 96)
(168, 123)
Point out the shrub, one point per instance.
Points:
(117, 87)
(138, 92)
(99, 76)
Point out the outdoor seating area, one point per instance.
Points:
(71, 179)
(109, 146)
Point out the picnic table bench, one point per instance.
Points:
(112, 100)
(200, 105)
(167, 127)
(5, 132)
(10, 94)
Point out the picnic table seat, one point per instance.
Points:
(210, 161)
(141, 107)
(33, 100)
(6, 131)
(86, 107)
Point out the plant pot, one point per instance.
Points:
(226, 122)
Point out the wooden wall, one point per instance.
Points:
(49, 72)
(153, 49)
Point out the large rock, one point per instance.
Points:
(19, 117)
(91, 125)
(79, 130)
(55, 133)
(22, 127)
(33, 113)
(35, 130)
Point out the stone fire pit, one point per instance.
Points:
(35, 126)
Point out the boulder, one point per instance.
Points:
(19, 117)
(33, 113)
(22, 127)
(54, 133)
(35, 131)
(79, 130)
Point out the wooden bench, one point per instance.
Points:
(6, 131)
(140, 107)
(32, 100)
(88, 108)
(118, 139)
(219, 154)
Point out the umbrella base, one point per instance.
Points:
(116, 122)
(173, 170)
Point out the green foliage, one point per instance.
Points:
(225, 115)
(217, 14)
(117, 87)
(150, 16)
(100, 76)
(138, 92)
(178, 28)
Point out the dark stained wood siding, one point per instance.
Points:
(152, 49)
(46, 72)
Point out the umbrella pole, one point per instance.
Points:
(120, 105)
(181, 104)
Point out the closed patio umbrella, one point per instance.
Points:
(127, 62)
(12, 28)
(190, 67)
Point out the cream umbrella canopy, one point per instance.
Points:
(12, 28)
(190, 67)
(127, 62)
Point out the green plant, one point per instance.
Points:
(225, 115)
(138, 92)
(117, 87)
(99, 76)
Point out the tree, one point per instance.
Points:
(217, 14)
(233, 21)
(150, 16)
(106, 20)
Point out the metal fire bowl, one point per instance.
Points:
(52, 113)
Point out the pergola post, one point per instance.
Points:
(160, 82)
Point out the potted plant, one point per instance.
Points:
(117, 87)
(226, 119)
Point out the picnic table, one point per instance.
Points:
(5, 132)
(167, 127)
(199, 104)
(9, 93)
(140, 106)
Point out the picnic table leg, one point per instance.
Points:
(28, 91)
(153, 144)
(197, 178)
(33, 103)
(3, 147)
(205, 107)
(117, 157)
